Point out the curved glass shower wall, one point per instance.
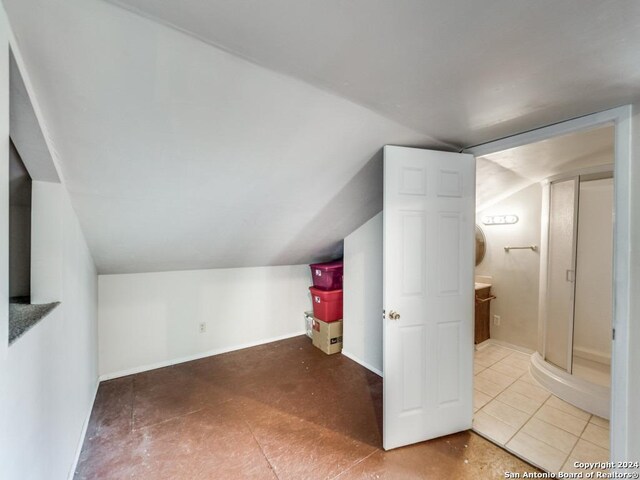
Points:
(574, 355)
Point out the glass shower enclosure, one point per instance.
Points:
(578, 303)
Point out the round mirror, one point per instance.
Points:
(481, 245)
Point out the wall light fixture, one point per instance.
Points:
(500, 219)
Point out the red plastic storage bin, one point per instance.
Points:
(327, 304)
(327, 276)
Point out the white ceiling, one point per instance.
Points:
(179, 153)
(502, 174)
(463, 71)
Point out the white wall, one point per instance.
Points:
(5, 360)
(48, 376)
(362, 335)
(50, 373)
(152, 319)
(593, 306)
(515, 274)
(629, 398)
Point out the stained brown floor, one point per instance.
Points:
(284, 410)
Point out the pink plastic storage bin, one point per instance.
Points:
(327, 276)
(327, 304)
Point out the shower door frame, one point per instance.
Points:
(543, 301)
(622, 433)
(578, 176)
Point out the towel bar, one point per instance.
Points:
(485, 300)
(528, 247)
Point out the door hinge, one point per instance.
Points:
(613, 335)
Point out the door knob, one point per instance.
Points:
(394, 315)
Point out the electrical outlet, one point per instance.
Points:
(203, 327)
(496, 320)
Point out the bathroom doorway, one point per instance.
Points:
(550, 270)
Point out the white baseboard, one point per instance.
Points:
(83, 434)
(493, 341)
(483, 345)
(363, 363)
(197, 356)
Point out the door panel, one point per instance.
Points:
(429, 223)
(561, 272)
(413, 233)
(448, 254)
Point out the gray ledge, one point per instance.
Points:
(23, 316)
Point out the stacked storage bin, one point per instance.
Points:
(326, 295)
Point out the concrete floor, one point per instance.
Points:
(284, 410)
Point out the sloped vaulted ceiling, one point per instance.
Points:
(464, 71)
(178, 155)
(222, 133)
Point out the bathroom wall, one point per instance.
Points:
(515, 274)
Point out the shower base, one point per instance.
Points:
(593, 398)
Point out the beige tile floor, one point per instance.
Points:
(513, 410)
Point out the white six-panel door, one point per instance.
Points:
(429, 294)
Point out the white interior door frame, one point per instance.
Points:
(621, 119)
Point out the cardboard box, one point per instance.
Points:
(327, 336)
